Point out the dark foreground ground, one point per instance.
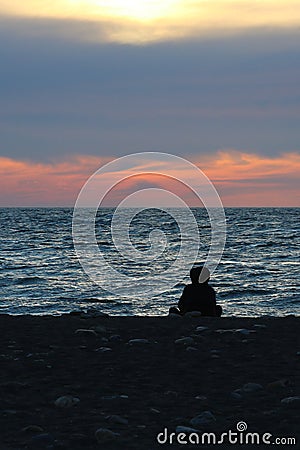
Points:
(137, 389)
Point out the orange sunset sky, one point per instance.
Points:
(240, 179)
(217, 83)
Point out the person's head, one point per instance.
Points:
(199, 275)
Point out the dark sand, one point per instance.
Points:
(42, 358)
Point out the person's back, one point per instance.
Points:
(198, 296)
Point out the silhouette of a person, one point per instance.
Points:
(198, 296)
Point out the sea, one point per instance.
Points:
(40, 272)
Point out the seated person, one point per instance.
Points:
(198, 296)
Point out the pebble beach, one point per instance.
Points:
(87, 381)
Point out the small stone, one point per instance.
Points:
(252, 387)
(191, 349)
(259, 325)
(104, 340)
(193, 314)
(105, 435)
(103, 349)
(114, 396)
(298, 353)
(187, 430)
(77, 437)
(214, 356)
(202, 419)
(86, 332)
(32, 429)
(291, 401)
(9, 412)
(201, 397)
(200, 329)
(155, 411)
(40, 441)
(236, 395)
(238, 391)
(171, 393)
(244, 331)
(13, 385)
(185, 341)
(117, 419)
(138, 341)
(115, 338)
(99, 329)
(66, 401)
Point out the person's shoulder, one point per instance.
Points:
(209, 287)
(211, 290)
(206, 287)
(187, 287)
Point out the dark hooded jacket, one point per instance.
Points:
(198, 297)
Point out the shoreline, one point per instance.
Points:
(96, 313)
(136, 375)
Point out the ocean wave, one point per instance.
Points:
(29, 280)
(98, 300)
(239, 291)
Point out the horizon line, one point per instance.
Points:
(146, 207)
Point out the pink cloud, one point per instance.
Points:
(242, 179)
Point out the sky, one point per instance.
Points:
(84, 82)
